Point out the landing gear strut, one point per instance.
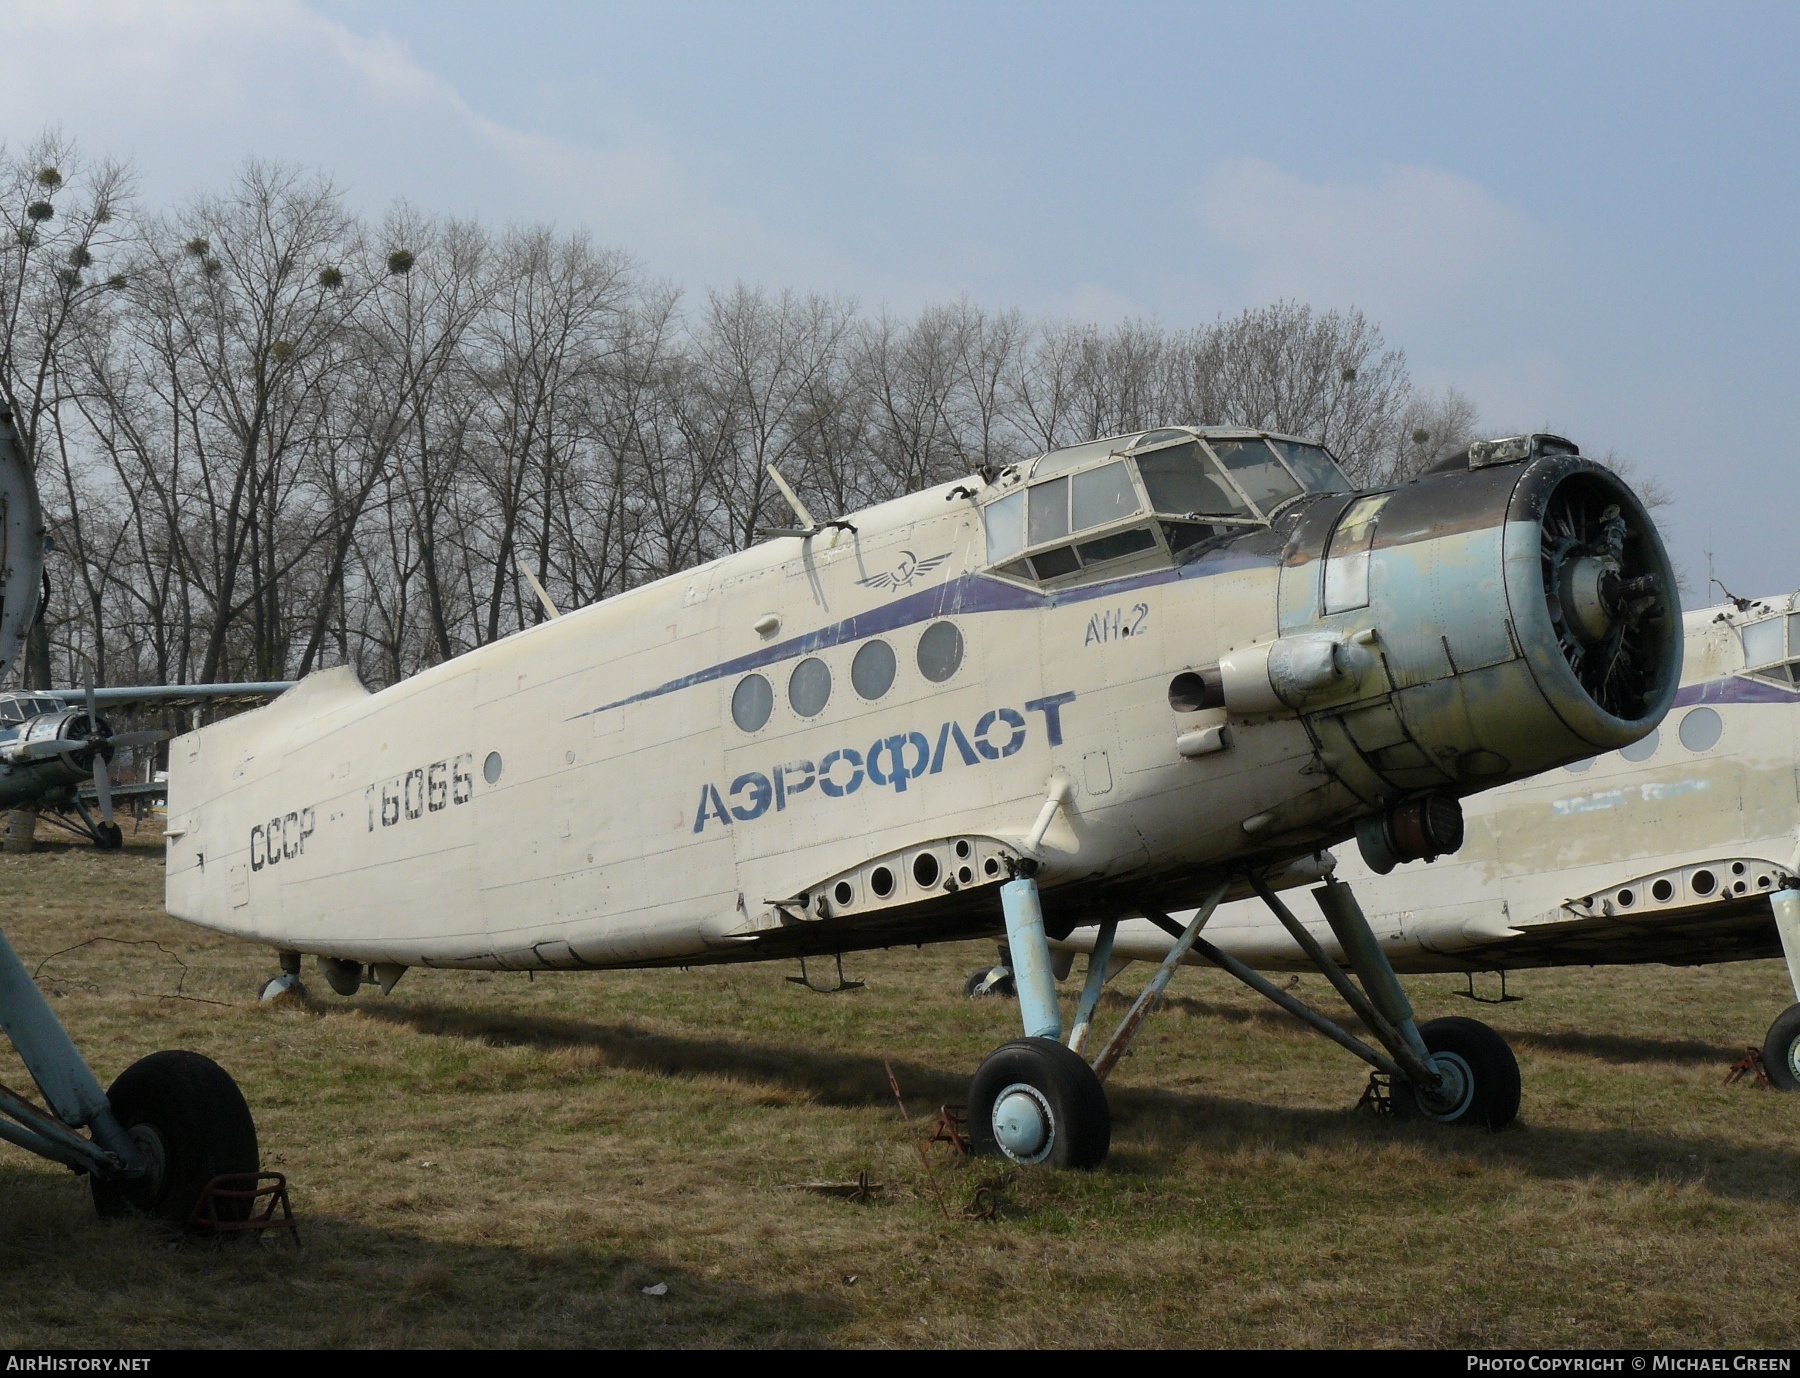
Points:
(171, 1123)
(1037, 1101)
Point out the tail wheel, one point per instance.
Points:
(1035, 1102)
(978, 984)
(1781, 1051)
(189, 1121)
(1481, 1076)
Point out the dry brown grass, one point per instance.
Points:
(486, 1160)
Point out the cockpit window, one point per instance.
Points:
(1005, 521)
(1312, 466)
(1135, 502)
(1184, 480)
(1116, 546)
(1049, 510)
(1102, 495)
(1149, 438)
(12, 712)
(1058, 460)
(1253, 464)
(1764, 643)
(1772, 649)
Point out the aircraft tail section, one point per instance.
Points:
(217, 778)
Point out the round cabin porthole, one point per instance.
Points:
(1644, 750)
(1577, 767)
(490, 768)
(881, 881)
(1704, 882)
(1663, 891)
(809, 687)
(751, 703)
(1700, 729)
(925, 870)
(872, 671)
(940, 651)
(1626, 899)
(844, 892)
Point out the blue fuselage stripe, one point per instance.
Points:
(969, 593)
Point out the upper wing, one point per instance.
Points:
(177, 695)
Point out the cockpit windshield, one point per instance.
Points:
(1312, 466)
(1184, 479)
(1264, 479)
(19, 708)
(1131, 502)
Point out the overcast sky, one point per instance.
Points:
(1584, 218)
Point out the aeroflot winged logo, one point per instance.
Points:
(888, 762)
(910, 568)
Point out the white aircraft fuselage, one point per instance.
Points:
(853, 738)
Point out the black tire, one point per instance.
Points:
(1080, 1120)
(972, 986)
(1781, 1050)
(111, 837)
(1494, 1103)
(188, 1112)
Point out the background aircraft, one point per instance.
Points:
(56, 750)
(1680, 848)
(173, 1122)
(1154, 669)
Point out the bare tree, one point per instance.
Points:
(59, 232)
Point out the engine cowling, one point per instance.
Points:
(1475, 626)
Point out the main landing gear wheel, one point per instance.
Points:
(109, 837)
(189, 1121)
(1481, 1076)
(982, 983)
(1781, 1051)
(1034, 1101)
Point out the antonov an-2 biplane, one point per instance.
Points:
(1135, 675)
(1684, 848)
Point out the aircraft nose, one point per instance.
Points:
(1471, 627)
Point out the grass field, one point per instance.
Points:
(486, 1160)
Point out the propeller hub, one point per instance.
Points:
(1590, 597)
